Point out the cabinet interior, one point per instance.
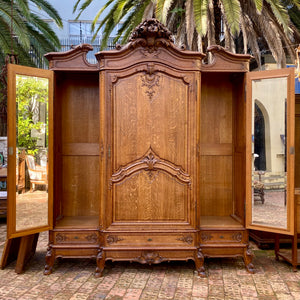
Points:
(222, 154)
(76, 131)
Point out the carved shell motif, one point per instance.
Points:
(149, 257)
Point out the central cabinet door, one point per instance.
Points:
(151, 145)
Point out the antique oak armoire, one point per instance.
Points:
(148, 155)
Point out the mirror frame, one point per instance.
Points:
(290, 142)
(12, 72)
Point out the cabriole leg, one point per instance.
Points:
(50, 258)
(248, 256)
(199, 261)
(100, 263)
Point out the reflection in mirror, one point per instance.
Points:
(269, 152)
(32, 149)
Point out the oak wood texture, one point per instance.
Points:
(150, 153)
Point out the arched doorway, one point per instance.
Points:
(259, 139)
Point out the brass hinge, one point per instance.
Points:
(108, 152)
(292, 150)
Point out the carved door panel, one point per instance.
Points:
(151, 170)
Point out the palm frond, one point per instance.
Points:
(280, 13)
(159, 9)
(23, 6)
(232, 11)
(44, 29)
(258, 5)
(82, 7)
(200, 16)
(49, 10)
(19, 28)
(99, 14)
(118, 13)
(165, 10)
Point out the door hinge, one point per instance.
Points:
(108, 152)
(10, 150)
(292, 150)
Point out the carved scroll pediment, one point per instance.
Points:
(224, 60)
(73, 59)
(152, 164)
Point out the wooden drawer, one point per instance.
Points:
(222, 237)
(75, 237)
(150, 239)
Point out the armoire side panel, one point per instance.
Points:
(297, 142)
(239, 138)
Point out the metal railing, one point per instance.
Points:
(67, 44)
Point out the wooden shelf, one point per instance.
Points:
(219, 222)
(78, 222)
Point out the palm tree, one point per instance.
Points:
(241, 26)
(24, 34)
(31, 34)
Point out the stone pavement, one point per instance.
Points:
(74, 279)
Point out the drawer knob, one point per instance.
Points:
(149, 240)
(221, 237)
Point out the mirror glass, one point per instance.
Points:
(31, 152)
(269, 160)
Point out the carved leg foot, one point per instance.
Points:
(50, 258)
(199, 261)
(248, 256)
(100, 260)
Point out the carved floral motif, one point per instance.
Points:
(206, 236)
(111, 239)
(237, 236)
(92, 237)
(150, 82)
(61, 238)
(186, 239)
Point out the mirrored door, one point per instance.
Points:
(270, 151)
(30, 177)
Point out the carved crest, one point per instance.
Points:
(151, 163)
(151, 33)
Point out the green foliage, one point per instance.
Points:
(30, 93)
(234, 24)
(28, 29)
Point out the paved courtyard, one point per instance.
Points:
(74, 279)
